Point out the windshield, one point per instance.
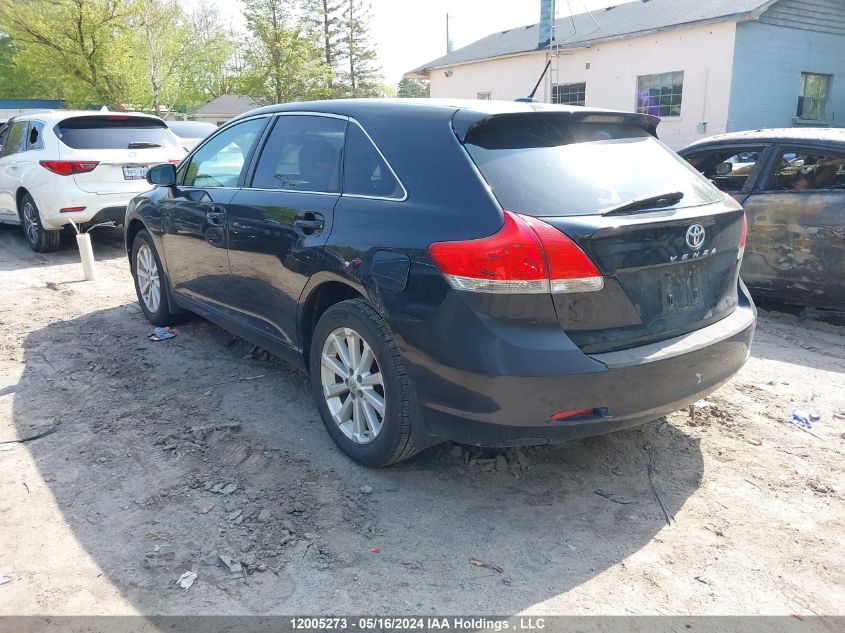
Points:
(544, 166)
(115, 132)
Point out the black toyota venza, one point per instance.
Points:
(487, 272)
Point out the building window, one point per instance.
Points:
(812, 102)
(660, 94)
(569, 94)
(485, 96)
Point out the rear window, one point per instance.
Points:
(544, 166)
(191, 129)
(115, 132)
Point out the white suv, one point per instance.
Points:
(62, 165)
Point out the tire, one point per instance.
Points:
(150, 281)
(40, 240)
(367, 442)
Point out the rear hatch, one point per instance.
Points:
(664, 239)
(122, 146)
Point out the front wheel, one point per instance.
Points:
(361, 384)
(40, 240)
(149, 279)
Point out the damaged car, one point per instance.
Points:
(791, 183)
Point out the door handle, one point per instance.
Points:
(215, 215)
(309, 221)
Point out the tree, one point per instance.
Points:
(16, 82)
(283, 63)
(413, 88)
(185, 55)
(84, 45)
(324, 19)
(361, 76)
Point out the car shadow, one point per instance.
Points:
(106, 242)
(170, 453)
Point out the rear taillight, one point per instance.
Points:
(525, 256)
(69, 167)
(742, 236)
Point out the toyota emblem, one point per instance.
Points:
(695, 236)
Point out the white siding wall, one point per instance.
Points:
(506, 78)
(704, 53)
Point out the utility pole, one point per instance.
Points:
(449, 44)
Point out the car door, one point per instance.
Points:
(279, 224)
(796, 227)
(194, 214)
(13, 144)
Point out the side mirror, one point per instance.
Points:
(723, 169)
(163, 175)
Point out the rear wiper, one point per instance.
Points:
(142, 145)
(650, 202)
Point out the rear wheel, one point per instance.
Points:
(361, 384)
(39, 239)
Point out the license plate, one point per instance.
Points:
(683, 287)
(134, 173)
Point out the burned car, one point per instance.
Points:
(792, 185)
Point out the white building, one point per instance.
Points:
(703, 66)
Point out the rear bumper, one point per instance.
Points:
(622, 389)
(98, 207)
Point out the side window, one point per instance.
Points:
(221, 160)
(365, 173)
(803, 170)
(16, 141)
(34, 138)
(302, 153)
(728, 169)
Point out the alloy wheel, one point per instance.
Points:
(353, 385)
(30, 222)
(146, 270)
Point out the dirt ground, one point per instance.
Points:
(167, 455)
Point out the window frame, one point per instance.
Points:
(801, 96)
(24, 138)
(250, 175)
(773, 164)
(41, 126)
(581, 103)
(760, 167)
(246, 169)
(638, 95)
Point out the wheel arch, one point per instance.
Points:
(19, 194)
(322, 296)
(135, 226)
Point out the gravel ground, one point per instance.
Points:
(201, 455)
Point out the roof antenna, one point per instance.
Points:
(530, 98)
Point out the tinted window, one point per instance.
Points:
(729, 169)
(114, 131)
(16, 140)
(191, 129)
(221, 160)
(34, 137)
(365, 173)
(802, 170)
(545, 165)
(302, 154)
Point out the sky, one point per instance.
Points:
(409, 33)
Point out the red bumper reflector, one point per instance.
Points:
(565, 415)
(71, 209)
